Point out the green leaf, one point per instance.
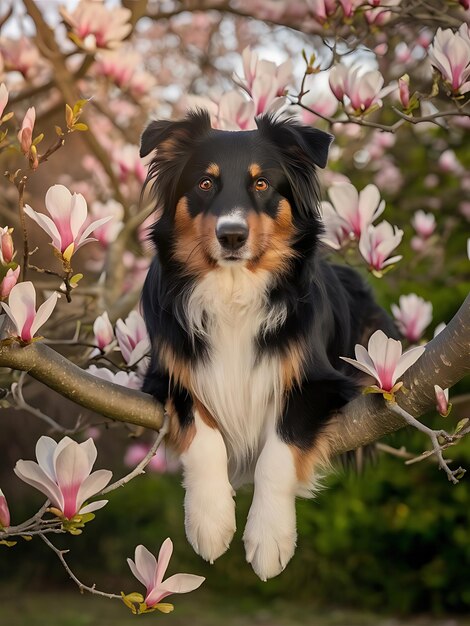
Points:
(69, 116)
(461, 425)
(164, 607)
(75, 279)
(79, 126)
(38, 139)
(10, 544)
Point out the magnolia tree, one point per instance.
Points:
(385, 77)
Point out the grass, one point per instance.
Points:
(68, 608)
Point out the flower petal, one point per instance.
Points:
(94, 506)
(179, 583)
(22, 304)
(93, 484)
(44, 312)
(407, 359)
(31, 473)
(164, 557)
(45, 222)
(360, 366)
(146, 565)
(45, 448)
(91, 227)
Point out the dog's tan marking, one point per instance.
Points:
(213, 170)
(193, 237)
(270, 240)
(177, 368)
(204, 413)
(178, 438)
(306, 461)
(255, 170)
(292, 366)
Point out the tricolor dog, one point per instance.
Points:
(247, 324)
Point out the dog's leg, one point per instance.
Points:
(209, 505)
(270, 533)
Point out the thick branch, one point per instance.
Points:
(364, 420)
(58, 373)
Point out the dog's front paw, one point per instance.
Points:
(210, 519)
(270, 538)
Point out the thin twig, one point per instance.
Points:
(433, 436)
(81, 586)
(139, 469)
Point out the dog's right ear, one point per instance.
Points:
(196, 124)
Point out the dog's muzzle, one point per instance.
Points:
(232, 234)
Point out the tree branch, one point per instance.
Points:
(363, 421)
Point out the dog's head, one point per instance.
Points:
(234, 198)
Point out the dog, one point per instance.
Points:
(247, 324)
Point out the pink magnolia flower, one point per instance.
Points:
(356, 210)
(103, 329)
(7, 250)
(450, 55)
(163, 461)
(442, 400)
(126, 379)
(97, 26)
(264, 81)
(129, 163)
(118, 65)
(384, 361)
(379, 15)
(424, 224)
(132, 337)
(413, 316)
(318, 98)
(404, 90)
(322, 9)
(107, 233)
(350, 6)
(25, 134)
(20, 55)
(363, 89)
(63, 474)
(4, 511)
(335, 234)
(3, 98)
(9, 281)
(376, 244)
(150, 571)
(236, 112)
(449, 163)
(21, 309)
(66, 226)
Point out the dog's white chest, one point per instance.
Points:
(240, 391)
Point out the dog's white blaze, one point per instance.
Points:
(228, 307)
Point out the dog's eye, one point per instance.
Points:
(261, 184)
(205, 184)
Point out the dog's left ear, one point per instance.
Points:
(315, 143)
(304, 143)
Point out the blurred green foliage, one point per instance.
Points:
(394, 539)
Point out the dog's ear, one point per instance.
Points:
(300, 149)
(295, 141)
(315, 143)
(154, 134)
(195, 124)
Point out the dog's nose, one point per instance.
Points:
(231, 234)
